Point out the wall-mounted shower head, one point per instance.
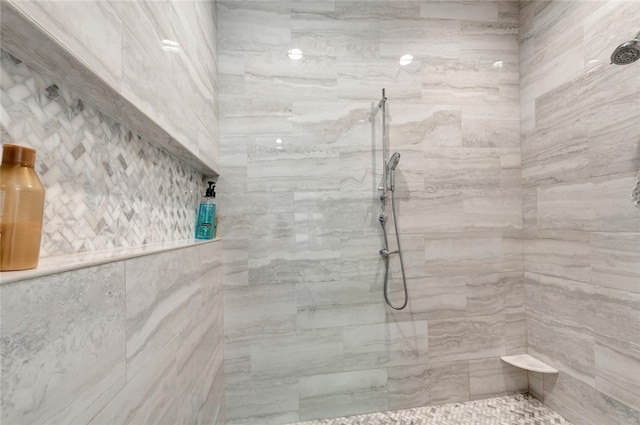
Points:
(392, 164)
(626, 53)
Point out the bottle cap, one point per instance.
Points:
(211, 191)
(15, 154)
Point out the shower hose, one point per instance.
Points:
(386, 257)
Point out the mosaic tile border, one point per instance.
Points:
(519, 409)
(105, 186)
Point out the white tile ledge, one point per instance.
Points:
(528, 362)
(65, 263)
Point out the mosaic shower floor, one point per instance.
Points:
(520, 409)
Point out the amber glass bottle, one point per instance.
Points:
(21, 209)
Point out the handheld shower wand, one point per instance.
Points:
(392, 164)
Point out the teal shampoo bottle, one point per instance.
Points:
(206, 224)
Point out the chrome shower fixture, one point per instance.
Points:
(392, 164)
(628, 52)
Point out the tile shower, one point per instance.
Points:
(517, 165)
(519, 149)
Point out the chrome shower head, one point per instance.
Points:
(392, 164)
(393, 161)
(626, 53)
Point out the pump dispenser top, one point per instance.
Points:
(211, 191)
(206, 224)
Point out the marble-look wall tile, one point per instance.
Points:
(466, 338)
(615, 362)
(463, 253)
(536, 385)
(253, 27)
(317, 76)
(104, 37)
(360, 79)
(149, 397)
(485, 11)
(332, 304)
(490, 127)
(321, 34)
(255, 310)
(433, 298)
(487, 294)
(493, 210)
(424, 38)
(425, 125)
(615, 260)
(562, 346)
(428, 384)
(581, 402)
(343, 394)
(593, 205)
(199, 363)
(63, 345)
(492, 377)
(298, 353)
(462, 168)
(268, 402)
(162, 292)
(463, 81)
(563, 254)
(386, 345)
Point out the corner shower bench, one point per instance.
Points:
(528, 362)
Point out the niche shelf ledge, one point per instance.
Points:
(528, 362)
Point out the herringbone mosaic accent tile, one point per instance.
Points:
(105, 187)
(509, 410)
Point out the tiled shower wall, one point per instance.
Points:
(307, 334)
(136, 341)
(580, 156)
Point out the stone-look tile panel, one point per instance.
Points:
(332, 304)
(63, 345)
(563, 254)
(199, 366)
(341, 394)
(581, 403)
(492, 377)
(562, 346)
(428, 384)
(268, 402)
(100, 48)
(466, 338)
(615, 260)
(615, 362)
(463, 253)
(600, 204)
(162, 293)
(433, 298)
(256, 310)
(304, 352)
(149, 397)
(385, 345)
